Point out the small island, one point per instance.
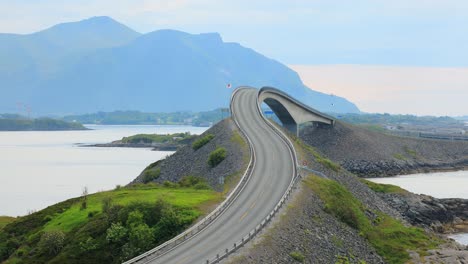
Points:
(10, 122)
(168, 142)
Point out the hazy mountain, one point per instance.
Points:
(101, 65)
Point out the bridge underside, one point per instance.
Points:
(291, 112)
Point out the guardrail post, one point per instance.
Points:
(207, 261)
(217, 256)
(234, 245)
(227, 250)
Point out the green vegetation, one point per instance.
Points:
(194, 182)
(389, 237)
(383, 188)
(319, 158)
(237, 139)
(5, 220)
(410, 152)
(156, 138)
(297, 256)
(231, 180)
(115, 225)
(348, 260)
(142, 118)
(151, 175)
(216, 156)
(41, 124)
(202, 141)
(399, 156)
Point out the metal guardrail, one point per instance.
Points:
(284, 198)
(206, 221)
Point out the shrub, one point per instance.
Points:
(202, 141)
(297, 256)
(52, 242)
(141, 236)
(216, 156)
(150, 175)
(195, 182)
(88, 244)
(170, 184)
(116, 233)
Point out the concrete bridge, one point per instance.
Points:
(290, 111)
(260, 193)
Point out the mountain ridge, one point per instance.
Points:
(145, 72)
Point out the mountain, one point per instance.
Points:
(101, 65)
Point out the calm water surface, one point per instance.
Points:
(439, 184)
(40, 168)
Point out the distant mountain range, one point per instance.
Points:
(99, 64)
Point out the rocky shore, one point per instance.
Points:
(440, 215)
(153, 146)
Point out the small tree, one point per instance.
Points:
(116, 233)
(52, 242)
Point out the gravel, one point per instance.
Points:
(189, 162)
(372, 154)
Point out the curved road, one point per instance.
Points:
(269, 180)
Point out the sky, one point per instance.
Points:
(406, 36)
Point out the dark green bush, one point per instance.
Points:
(52, 242)
(202, 141)
(150, 175)
(216, 156)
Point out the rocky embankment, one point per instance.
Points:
(441, 215)
(190, 162)
(308, 232)
(371, 154)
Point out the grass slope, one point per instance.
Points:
(389, 237)
(114, 226)
(5, 220)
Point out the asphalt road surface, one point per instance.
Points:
(270, 178)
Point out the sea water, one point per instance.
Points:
(41, 168)
(438, 184)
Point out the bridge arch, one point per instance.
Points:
(290, 111)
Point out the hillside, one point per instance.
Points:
(373, 154)
(335, 217)
(192, 160)
(106, 227)
(332, 218)
(101, 65)
(113, 226)
(39, 124)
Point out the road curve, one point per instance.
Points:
(270, 177)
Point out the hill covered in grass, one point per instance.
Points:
(106, 227)
(39, 124)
